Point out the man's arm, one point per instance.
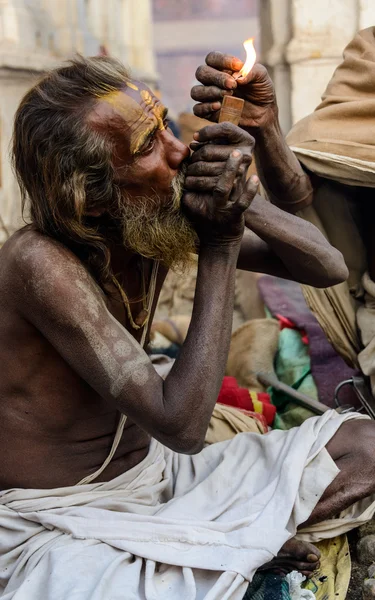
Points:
(56, 294)
(281, 244)
(286, 183)
(275, 242)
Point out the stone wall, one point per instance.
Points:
(303, 43)
(186, 31)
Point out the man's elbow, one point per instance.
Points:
(184, 442)
(187, 445)
(333, 272)
(179, 431)
(341, 274)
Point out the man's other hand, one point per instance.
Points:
(216, 191)
(220, 77)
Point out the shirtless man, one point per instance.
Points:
(103, 176)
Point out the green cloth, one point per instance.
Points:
(292, 366)
(267, 586)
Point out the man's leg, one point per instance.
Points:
(353, 450)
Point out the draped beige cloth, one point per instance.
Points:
(337, 142)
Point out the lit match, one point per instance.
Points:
(251, 57)
(232, 107)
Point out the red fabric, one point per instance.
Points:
(286, 323)
(233, 395)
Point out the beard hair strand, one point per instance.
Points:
(157, 229)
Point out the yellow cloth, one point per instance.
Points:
(333, 578)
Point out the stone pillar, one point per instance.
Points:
(142, 41)
(321, 30)
(13, 84)
(68, 36)
(95, 17)
(366, 13)
(276, 31)
(120, 31)
(9, 30)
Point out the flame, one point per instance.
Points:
(251, 57)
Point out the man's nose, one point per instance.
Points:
(175, 150)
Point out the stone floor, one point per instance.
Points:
(362, 549)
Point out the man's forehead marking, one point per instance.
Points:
(134, 113)
(125, 105)
(132, 86)
(158, 109)
(146, 97)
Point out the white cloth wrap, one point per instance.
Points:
(177, 527)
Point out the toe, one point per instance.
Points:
(300, 550)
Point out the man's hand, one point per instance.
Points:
(220, 77)
(216, 191)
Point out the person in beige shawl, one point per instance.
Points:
(323, 171)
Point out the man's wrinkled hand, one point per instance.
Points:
(211, 149)
(220, 77)
(217, 193)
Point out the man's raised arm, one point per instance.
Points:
(57, 295)
(286, 183)
(275, 242)
(279, 243)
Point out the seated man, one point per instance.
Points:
(107, 489)
(331, 183)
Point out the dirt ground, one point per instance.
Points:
(359, 572)
(358, 575)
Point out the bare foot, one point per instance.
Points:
(294, 556)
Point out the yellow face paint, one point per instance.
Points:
(126, 106)
(132, 86)
(146, 97)
(157, 109)
(141, 122)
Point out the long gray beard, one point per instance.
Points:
(157, 229)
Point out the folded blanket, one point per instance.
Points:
(175, 526)
(252, 350)
(227, 421)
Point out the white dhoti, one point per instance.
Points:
(175, 526)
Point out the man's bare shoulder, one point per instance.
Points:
(36, 267)
(28, 249)
(28, 255)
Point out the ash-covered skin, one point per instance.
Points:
(90, 321)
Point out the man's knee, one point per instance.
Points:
(355, 439)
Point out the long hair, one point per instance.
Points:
(63, 166)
